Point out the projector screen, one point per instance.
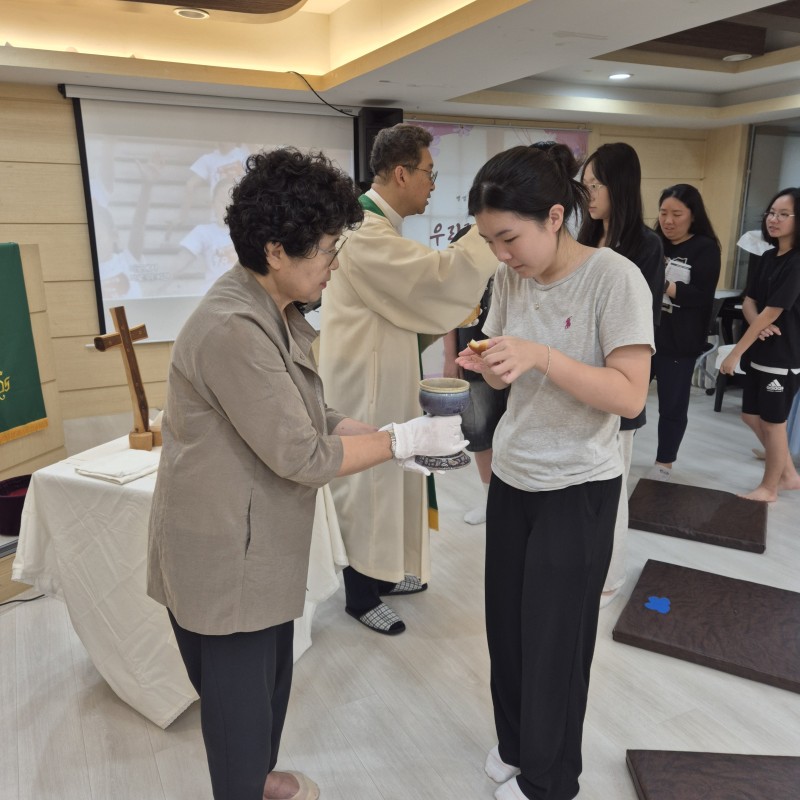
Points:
(159, 178)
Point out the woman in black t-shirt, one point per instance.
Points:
(772, 344)
(690, 242)
(612, 175)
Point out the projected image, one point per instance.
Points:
(458, 151)
(160, 178)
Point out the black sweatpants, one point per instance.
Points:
(547, 554)
(243, 680)
(674, 383)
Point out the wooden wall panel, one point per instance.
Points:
(663, 159)
(82, 367)
(32, 275)
(64, 249)
(51, 193)
(723, 190)
(73, 308)
(43, 343)
(109, 400)
(30, 466)
(33, 132)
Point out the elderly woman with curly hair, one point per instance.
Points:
(248, 440)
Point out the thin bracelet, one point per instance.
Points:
(549, 360)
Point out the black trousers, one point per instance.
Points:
(361, 592)
(243, 680)
(674, 383)
(547, 554)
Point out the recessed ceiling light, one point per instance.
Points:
(192, 13)
(620, 76)
(737, 57)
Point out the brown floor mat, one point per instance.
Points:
(731, 625)
(675, 775)
(703, 515)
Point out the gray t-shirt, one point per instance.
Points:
(547, 439)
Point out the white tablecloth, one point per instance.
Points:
(85, 540)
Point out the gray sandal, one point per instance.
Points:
(381, 619)
(411, 584)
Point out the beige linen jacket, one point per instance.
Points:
(387, 290)
(246, 446)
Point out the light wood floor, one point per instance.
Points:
(409, 718)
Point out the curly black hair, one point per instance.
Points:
(289, 197)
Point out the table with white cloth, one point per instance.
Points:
(84, 540)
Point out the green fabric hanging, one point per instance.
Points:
(22, 409)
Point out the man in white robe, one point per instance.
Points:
(386, 292)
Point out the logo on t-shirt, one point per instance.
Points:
(774, 386)
(568, 323)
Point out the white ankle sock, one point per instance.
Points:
(509, 791)
(497, 769)
(477, 515)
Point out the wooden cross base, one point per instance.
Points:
(145, 441)
(143, 436)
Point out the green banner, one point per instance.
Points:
(21, 403)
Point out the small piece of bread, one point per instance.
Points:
(478, 347)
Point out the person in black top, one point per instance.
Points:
(771, 344)
(613, 176)
(692, 252)
(486, 404)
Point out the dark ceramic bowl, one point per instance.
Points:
(443, 397)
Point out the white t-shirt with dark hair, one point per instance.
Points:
(547, 439)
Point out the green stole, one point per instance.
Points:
(433, 509)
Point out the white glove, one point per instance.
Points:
(410, 465)
(428, 436)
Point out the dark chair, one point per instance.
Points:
(714, 334)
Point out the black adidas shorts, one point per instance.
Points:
(767, 395)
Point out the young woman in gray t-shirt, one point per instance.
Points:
(571, 332)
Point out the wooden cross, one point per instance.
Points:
(142, 437)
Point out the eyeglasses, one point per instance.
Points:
(593, 187)
(333, 252)
(781, 216)
(432, 173)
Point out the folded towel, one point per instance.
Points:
(122, 467)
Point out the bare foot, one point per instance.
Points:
(793, 483)
(761, 493)
(280, 786)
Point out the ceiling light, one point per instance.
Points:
(737, 57)
(192, 13)
(620, 76)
